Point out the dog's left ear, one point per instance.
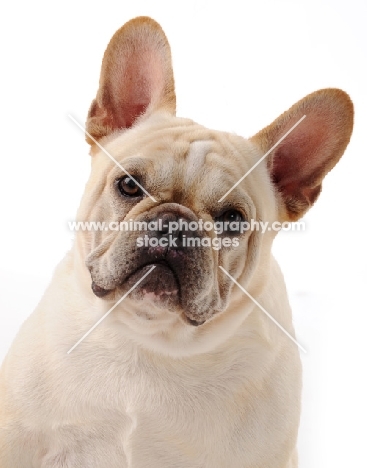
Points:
(136, 79)
(300, 162)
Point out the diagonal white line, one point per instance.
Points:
(110, 156)
(261, 159)
(107, 313)
(262, 308)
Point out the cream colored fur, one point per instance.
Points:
(146, 389)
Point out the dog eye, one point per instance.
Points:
(231, 216)
(128, 187)
(228, 217)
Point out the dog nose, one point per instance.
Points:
(174, 227)
(166, 222)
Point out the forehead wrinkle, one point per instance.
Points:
(195, 158)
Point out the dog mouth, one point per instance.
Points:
(160, 284)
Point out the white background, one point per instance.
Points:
(238, 65)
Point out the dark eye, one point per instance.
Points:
(231, 216)
(128, 187)
(227, 218)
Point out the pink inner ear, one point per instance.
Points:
(133, 86)
(136, 79)
(299, 161)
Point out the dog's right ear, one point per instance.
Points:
(136, 79)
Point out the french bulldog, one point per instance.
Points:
(176, 365)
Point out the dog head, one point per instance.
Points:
(170, 176)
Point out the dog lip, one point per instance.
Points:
(98, 291)
(194, 323)
(160, 262)
(154, 284)
(102, 292)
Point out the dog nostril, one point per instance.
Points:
(164, 229)
(166, 219)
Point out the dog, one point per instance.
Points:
(145, 352)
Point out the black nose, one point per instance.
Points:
(172, 226)
(166, 224)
